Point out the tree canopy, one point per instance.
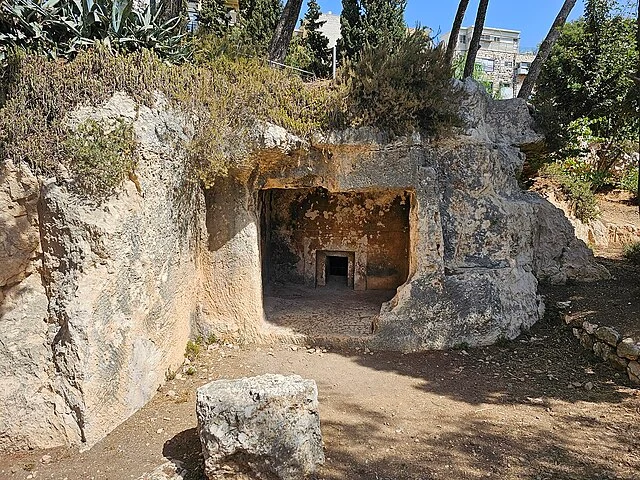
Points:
(370, 22)
(588, 75)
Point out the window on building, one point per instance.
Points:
(488, 64)
(508, 64)
(496, 39)
(463, 39)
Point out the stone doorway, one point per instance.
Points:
(330, 260)
(335, 268)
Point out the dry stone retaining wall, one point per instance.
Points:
(608, 344)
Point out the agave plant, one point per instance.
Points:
(59, 28)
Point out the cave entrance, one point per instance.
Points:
(337, 270)
(334, 268)
(330, 260)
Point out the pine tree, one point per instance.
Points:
(350, 42)
(281, 38)
(316, 41)
(370, 22)
(214, 17)
(259, 19)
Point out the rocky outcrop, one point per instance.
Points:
(99, 298)
(88, 338)
(260, 427)
(32, 413)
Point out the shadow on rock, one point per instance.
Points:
(186, 448)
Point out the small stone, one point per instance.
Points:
(602, 350)
(588, 386)
(629, 349)
(366, 350)
(608, 335)
(590, 328)
(563, 305)
(46, 459)
(160, 430)
(577, 332)
(617, 362)
(179, 376)
(633, 369)
(171, 393)
(294, 348)
(311, 350)
(586, 341)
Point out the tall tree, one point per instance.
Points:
(455, 30)
(370, 22)
(350, 42)
(284, 31)
(258, 21)
(545, 49)
(316, 41)
(474, 46)
(585, 83)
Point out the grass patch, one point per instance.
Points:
(578, 192)
(632, 252)
(101, 155)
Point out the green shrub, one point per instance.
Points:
(226, 97)
(579, 193)
(101, 156)
(632, 252)
(629, 180)
(193, 348)
(401, 88)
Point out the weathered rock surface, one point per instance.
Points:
(267, 426)
(32, 414)
(173, 470)
(97, 300)
(106, 309)
(629, 349)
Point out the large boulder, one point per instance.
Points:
(263, 426)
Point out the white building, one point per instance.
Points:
(500, 57)
(331, 27)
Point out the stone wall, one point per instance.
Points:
(606, 343)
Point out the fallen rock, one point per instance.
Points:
(617, 362)
(602, 350)
(608, 335)
(590, 328)
(629, 349)
(633, 370)
(267, 426)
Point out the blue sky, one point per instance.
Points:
(532, 18)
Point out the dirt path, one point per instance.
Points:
(536, 408)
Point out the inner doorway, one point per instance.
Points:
(337, 270)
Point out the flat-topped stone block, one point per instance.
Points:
(266, 426)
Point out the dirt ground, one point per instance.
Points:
(535, 408)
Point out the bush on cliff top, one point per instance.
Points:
(398, 90)
(226, 96)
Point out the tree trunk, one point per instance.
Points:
(474, 46)
(545, 49)
(455, 31)
(284, 31)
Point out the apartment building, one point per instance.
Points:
(504, 65)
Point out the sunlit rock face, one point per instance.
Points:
(98, 298)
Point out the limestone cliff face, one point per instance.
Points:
(107, 308)
(98, 299)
